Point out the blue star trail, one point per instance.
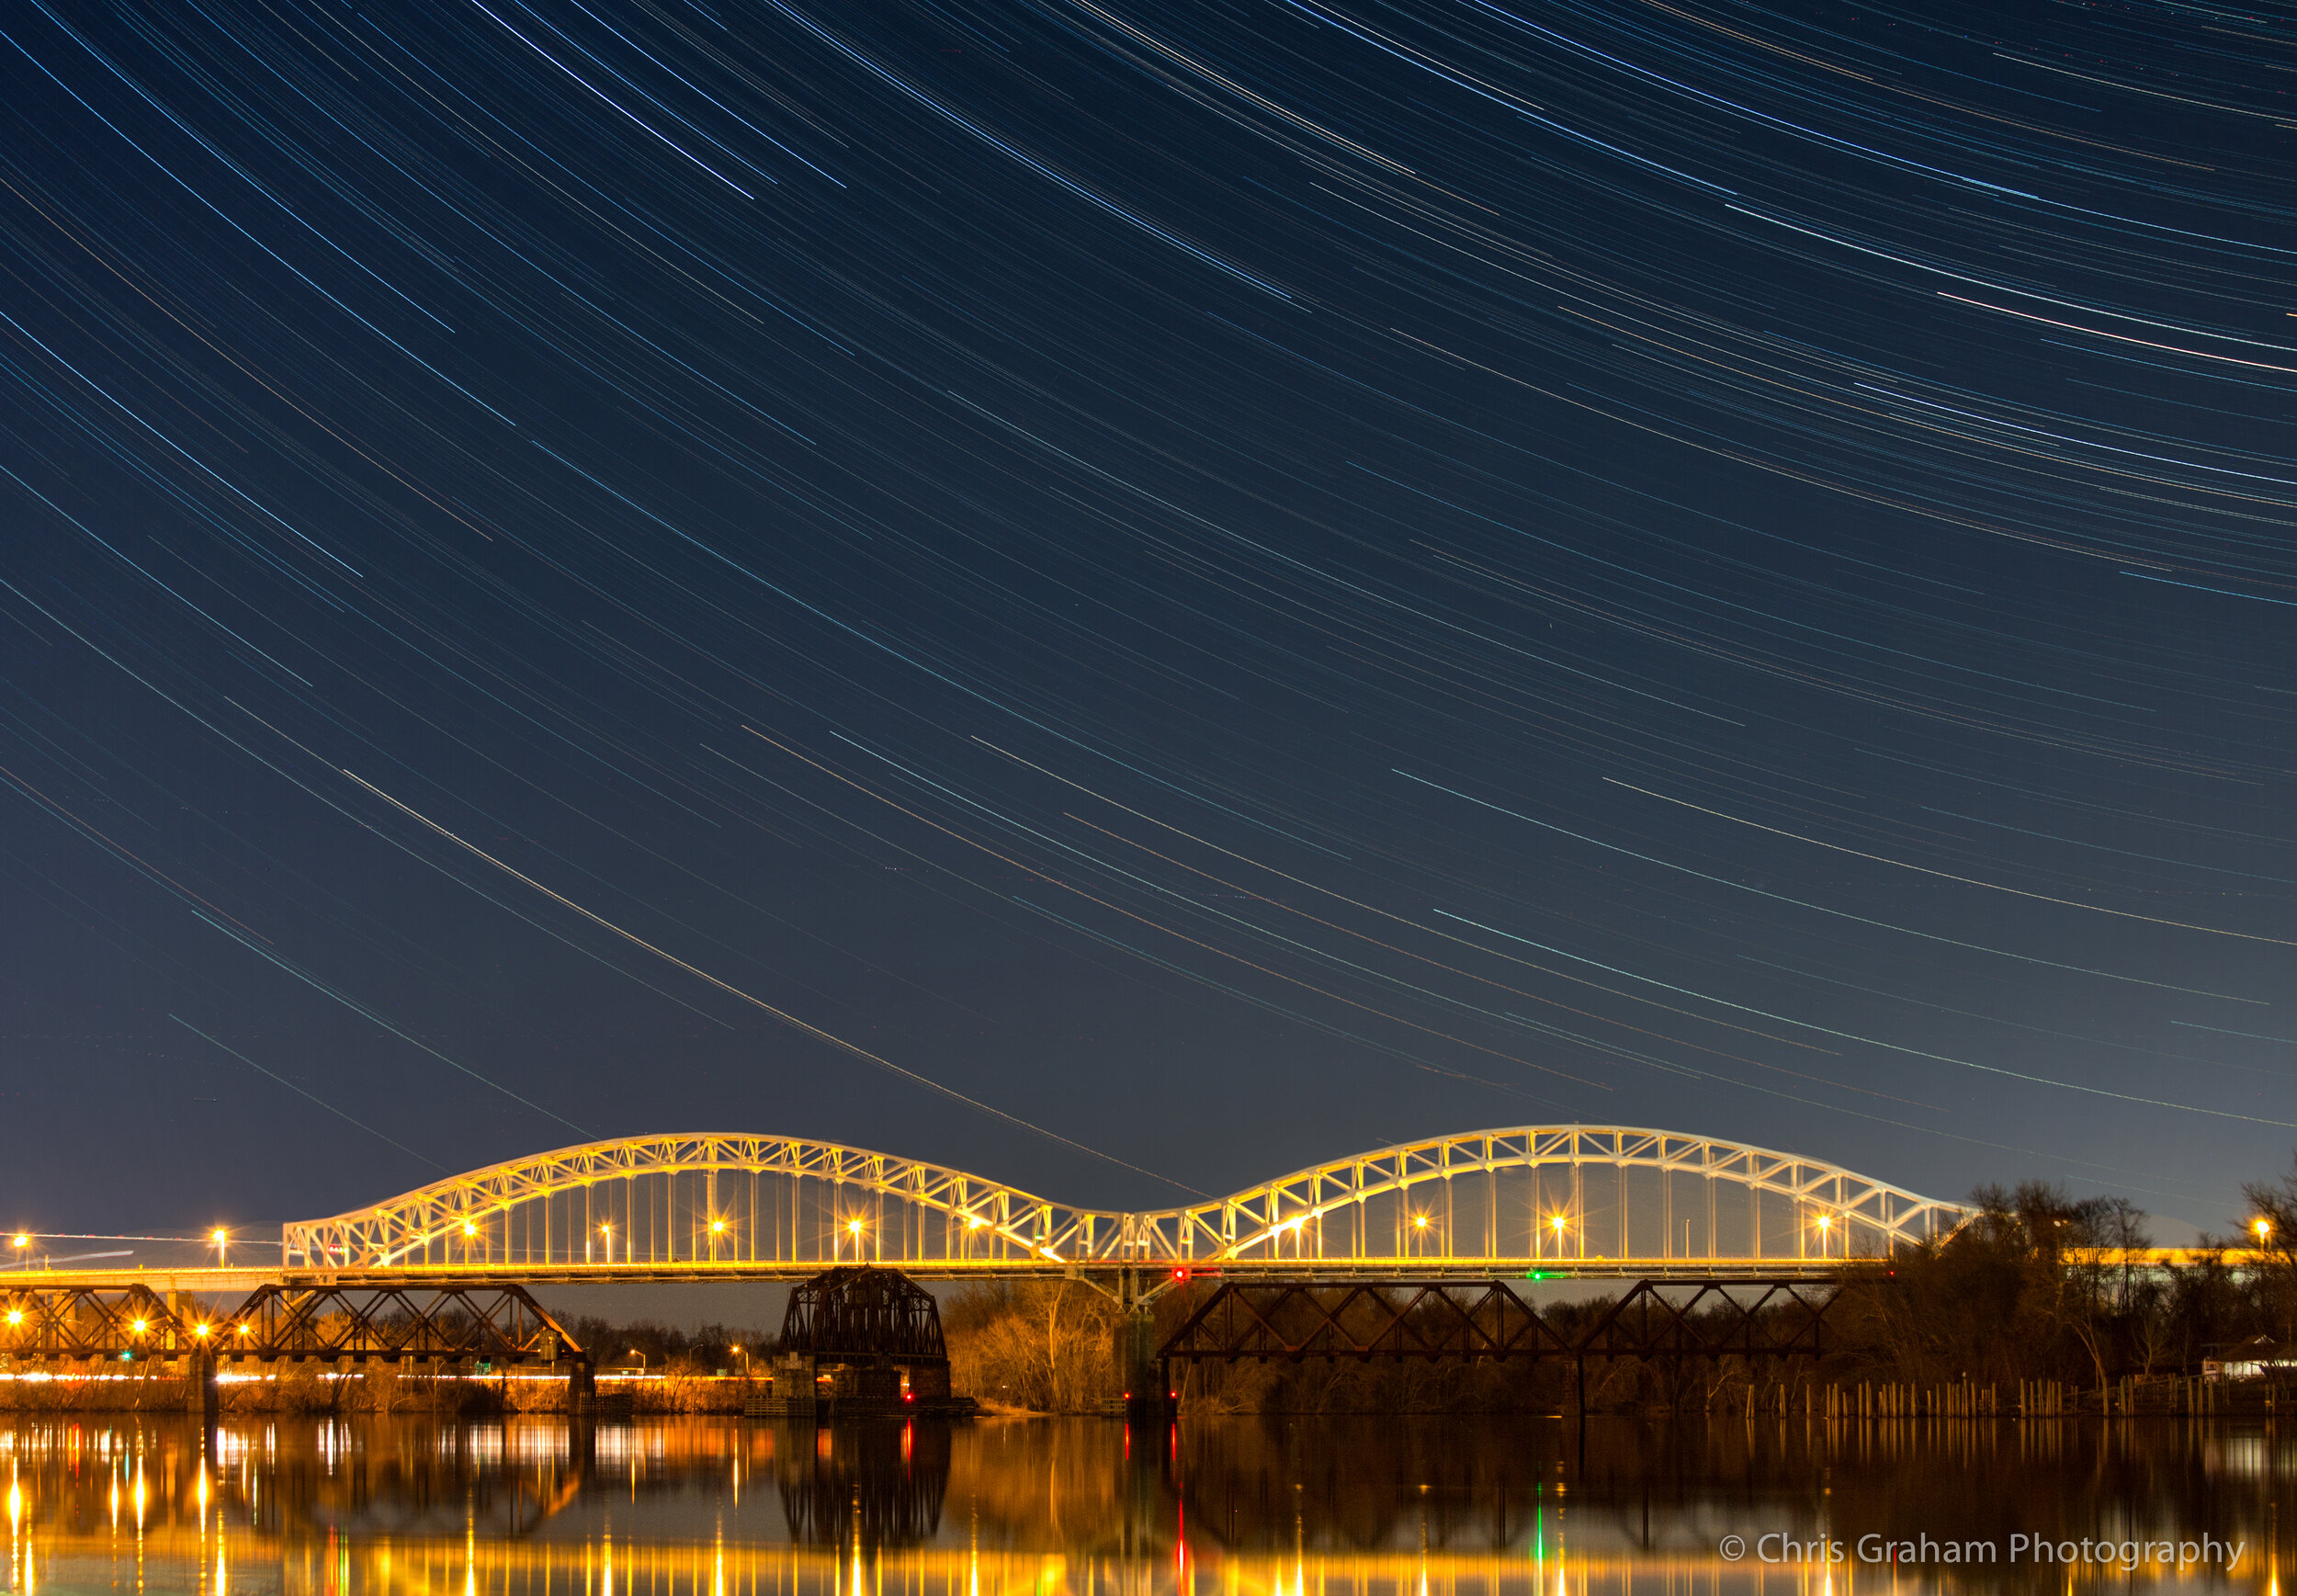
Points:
(1079, 587)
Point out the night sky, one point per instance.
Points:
(1130, 597)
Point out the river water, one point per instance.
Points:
(532, 1506)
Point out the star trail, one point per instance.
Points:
(1133, 596)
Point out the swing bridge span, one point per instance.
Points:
(1527, 1201)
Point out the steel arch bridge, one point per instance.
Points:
(1575, 1199)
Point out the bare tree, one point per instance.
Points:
(2274, 1205)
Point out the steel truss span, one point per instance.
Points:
(429, 1322)
(1573, 1198)
(1431, 1320)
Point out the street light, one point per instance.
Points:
(223, 1239)
(2263, 1227)
(641, 1361)
(1826, 1223)
(744, 1353)
(607, 1231)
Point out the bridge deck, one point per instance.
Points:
(245, 1278)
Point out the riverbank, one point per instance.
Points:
(312, 1388)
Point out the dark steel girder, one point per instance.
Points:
(1445, 1318)
(432, 1322)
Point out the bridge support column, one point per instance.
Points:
(206, 1398)
(1147, 1401)
(582, 1388)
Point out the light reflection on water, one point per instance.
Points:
(529, 1506)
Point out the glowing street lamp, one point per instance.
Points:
(607, 1231)
(2263, 1227)
(223, 1240)
(1826, 1224)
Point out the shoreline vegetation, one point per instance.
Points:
(2012, 1316)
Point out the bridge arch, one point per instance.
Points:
(1565, 1195)
(688, 1202)
(1522, 1197)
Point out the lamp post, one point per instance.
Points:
(223, 1240)
(1557, 1223)
(1826, 1224)
(607, 1231)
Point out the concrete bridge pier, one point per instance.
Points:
(195, 1355)
(206, 1396)
(1147, 1400)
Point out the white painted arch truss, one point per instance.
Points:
(1565, 1195)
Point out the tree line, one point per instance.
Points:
(2033, 1289)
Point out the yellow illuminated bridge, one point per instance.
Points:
(1577, 1199)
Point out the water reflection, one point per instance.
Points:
(875, 1485)
(1243, 1506)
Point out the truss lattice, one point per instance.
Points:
(426, 1322)
(1565, 1197)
